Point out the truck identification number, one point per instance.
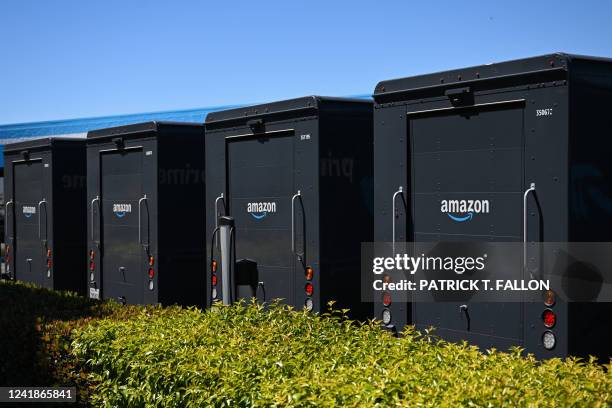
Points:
(544, 112)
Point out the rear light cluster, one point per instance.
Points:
(49, 263)
(386, 300)
(308, 288)
(213, 279)
(92, 264)
(151, 272)
(549, 319)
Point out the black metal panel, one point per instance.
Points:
(469, 154)
(181, 216)
(487, 167)
(46, 225)
(260, 174)
(391, 171)
(124, 263)
(526, 130)
(589, 192)
(266, 154)
(28, 250)
(495, 76)
(275, 111)
(145, 193)
(346, 204)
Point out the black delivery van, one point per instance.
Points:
(528, 138)
(145, 213)
(44, 189)
(295, 177)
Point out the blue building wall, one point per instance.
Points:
(80, 127)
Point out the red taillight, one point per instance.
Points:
(549, 318)
(92, 266)
(49, 263)
(151, 273)
(386, 299)
(151, 261)
(214, 280)
(309, 289)
(213, 266)
(309, 273)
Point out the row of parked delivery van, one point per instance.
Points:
(133, 213)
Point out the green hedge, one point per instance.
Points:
(36, 332)
(25, 311)
(245, 356)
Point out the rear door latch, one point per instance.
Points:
(463, 309)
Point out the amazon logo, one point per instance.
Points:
(259, 210)
(464, 210)
(28, 211)
(120, 210)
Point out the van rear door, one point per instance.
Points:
(472, 155)
(260, 174)
(28, 193)
(123, 258)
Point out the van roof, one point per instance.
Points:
(41, 142)
(152, 126)
(541, 69)
(301, 105)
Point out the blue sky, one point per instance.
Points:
(68, 59)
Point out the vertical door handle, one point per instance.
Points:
(218, 213)
(261, 285)
(97, 199)
(6, 212)
(40, 203)
(464, 309)
(143, 199)
(296, 195)
(400, 191)
(531, 189)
